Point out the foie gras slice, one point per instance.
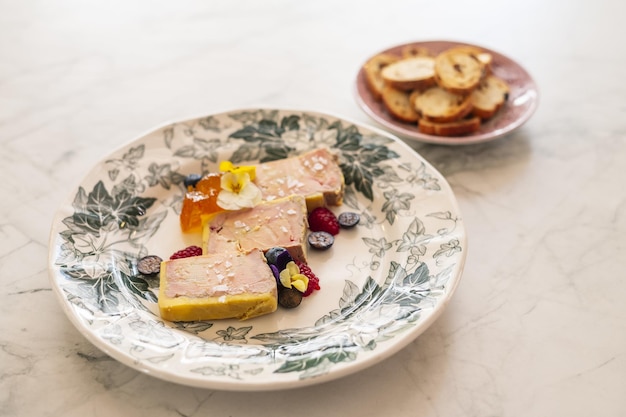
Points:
(218, 286)
(281, 222)
(315, 175)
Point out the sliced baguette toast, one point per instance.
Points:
(398, 104)
(489, 97)
(372, 70)
(438, 105)
(456, 128)
(410, 51)
(413, 96)
(459, 70)
(410, 73)
(484, 57)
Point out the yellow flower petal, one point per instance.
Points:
(285, 278)
(227, 166)
(251, 195)
(292, 268)
(238, 192)
(233, 182)
(291, 277)
(300, 282)
(248, 169)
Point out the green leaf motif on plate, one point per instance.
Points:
(365, 316)
(100, 223)
(359, 158)
(306, 364)
(101, 209)
(233, 334)
(264, 140)
(127, 162)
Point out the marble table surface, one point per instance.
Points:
(537, 326)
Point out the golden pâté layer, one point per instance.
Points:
(218, 286)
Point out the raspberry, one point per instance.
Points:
(187, 252)
(314, 281)
(322, 219)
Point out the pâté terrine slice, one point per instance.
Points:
(281, 222)
(217, 286)
(315, 175)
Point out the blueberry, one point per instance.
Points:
(289, 297)
(149, 265)
(348, 219)
(279, 257)
(192, 179)
(321, 240)
(275, 272)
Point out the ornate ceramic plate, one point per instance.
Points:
(382, 283)
(522, 102)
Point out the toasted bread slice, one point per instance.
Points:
(372, 70)
(413, 96)
(489, 97)
(484, 57)
(410, 51)
(459, 70)
(439, 105)
(456, 128)
(398, 104)
(410, 73)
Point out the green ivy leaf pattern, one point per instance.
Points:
(231, 333)
(263, 140)
(163, 175)
(130, 185)
(128, 162)
(361, 159)
(231, 371)
(210, 123)
(336, 355)
(101, 209)
(195, 327)
(104, 272)
(204, 150)
(103, 290)
(398, 302)
(448, 249)
(395, 202)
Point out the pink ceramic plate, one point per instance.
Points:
(522, 102)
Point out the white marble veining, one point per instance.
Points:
(538, 324)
